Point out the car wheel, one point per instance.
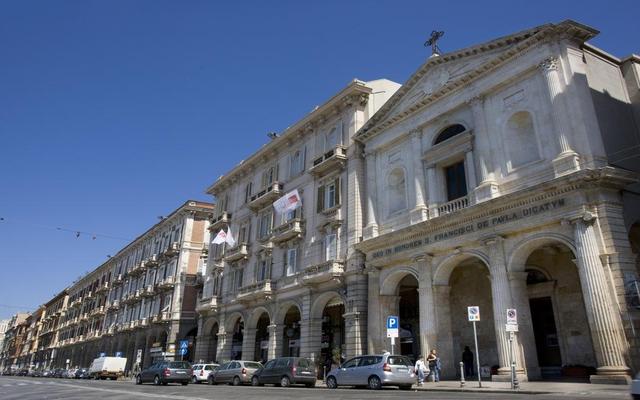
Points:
(184, 383)
(405, 387)
(194, 379)
(211, 381)
(255, 381)
(156, 380)
(285, 381)
(374, 383)
(236, 381)
(331, 382)
(138, 380)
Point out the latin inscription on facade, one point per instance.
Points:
(472, 227)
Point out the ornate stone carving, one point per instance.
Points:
(549, 64)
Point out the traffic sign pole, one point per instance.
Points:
(475, 339)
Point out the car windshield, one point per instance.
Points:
(252, 365)
(179, 365)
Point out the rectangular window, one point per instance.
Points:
(296, 165)
(247, 192)
(456, 181)
(263, 270)
(292, 261)
(244, 232)
(238, 277)
(268, 177)
(329, 195)
(330, 247)
(265, 224)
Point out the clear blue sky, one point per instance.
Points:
(115, 112)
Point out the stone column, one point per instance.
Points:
(444, 337)
(310, 337)
(567, 159)
(604, 320)
(389, 305)
(419, 212)
(488, 187)
(374, 318)
(224, 346)
(471, 171)
(428, 327)
(527, 354)
(432, 186)
(371, 229)
(275, 341)
(501, 297)
(356, 310)
(249, 344)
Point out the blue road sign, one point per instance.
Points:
(182, 351)
(392, 322)
(184, 344)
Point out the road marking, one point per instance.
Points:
(128, 392)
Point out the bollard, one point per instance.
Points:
(324, 373)
(461, 374)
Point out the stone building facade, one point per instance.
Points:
(292, 284)
(504, 175)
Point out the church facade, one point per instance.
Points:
(504, 176)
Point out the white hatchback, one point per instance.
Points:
(201, 372)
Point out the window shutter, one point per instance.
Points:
(320, 198)
(337, 196)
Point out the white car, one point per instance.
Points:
(201, 372)
(635, 388)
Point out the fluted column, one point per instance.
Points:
(527, 355)
(470, 167)
(567, 159)
(604, 320)
(374, 317)
(371, 229)
(428, 332)
(488, 187)
(275, 341)
(419, 212)
(501, 297)
(444, 338)
(432, 186)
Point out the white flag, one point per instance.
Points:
(230, 240)
(288, 202)
(220, 238)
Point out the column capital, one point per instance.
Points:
(581, 217)
(549, 64)
(493, 240)
(424, 257)
(415, 133)
(475, 101)
(517, 275)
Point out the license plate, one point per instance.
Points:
(180, 372)
(402, 368)
(306, 373)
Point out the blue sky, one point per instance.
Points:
(115, 112)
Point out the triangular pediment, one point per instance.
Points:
(441, 75)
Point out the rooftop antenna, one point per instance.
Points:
(433, 42)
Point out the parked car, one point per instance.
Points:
(47, 373)
(235, 372)
(201, 372)
(635, 388)
(107, 367)
(57, 373)
(82, 373)
(23, 372)
(70, 373)
(286, 371)
(373, 371)
(165, 372)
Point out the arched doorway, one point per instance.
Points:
(470, 285)
(212, 353)
(409, 314)
(291, 333)
(558, 314)
(333, 330)
(261, 352)
(237, 337)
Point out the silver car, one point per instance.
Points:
(373, 371)
(235, 372)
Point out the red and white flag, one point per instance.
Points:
(288, 202)
(224, 237)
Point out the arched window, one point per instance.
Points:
(397, 190)
(449, 132)
(520, 139)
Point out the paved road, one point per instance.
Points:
(44, 388)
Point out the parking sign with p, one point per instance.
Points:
(393, 323)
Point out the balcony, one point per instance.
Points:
(208, 304)
(102, 288)
(80, 339)
(293, 229)
(148, 291)
(75, 303)
(256, 291)
(172, 250)
(152, 261)
(96, 312)
(114, 305)
(89, 296)
(333, 159)
(138, 269)
(324, 272)
(167, 283)
(221, 221)
(452, 206)
(144, 322)
(240, 252)
(109, 331)
(128, 298)
(266, 197)
(164, 316)
(84, 317)
(118, 280)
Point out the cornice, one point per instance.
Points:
(354, 94)
(520, 41)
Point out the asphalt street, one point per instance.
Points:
(43, 388)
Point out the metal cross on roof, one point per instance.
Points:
(433, 42)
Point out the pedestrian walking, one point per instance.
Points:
(434, 366)
(421, 370)
(467, 360)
